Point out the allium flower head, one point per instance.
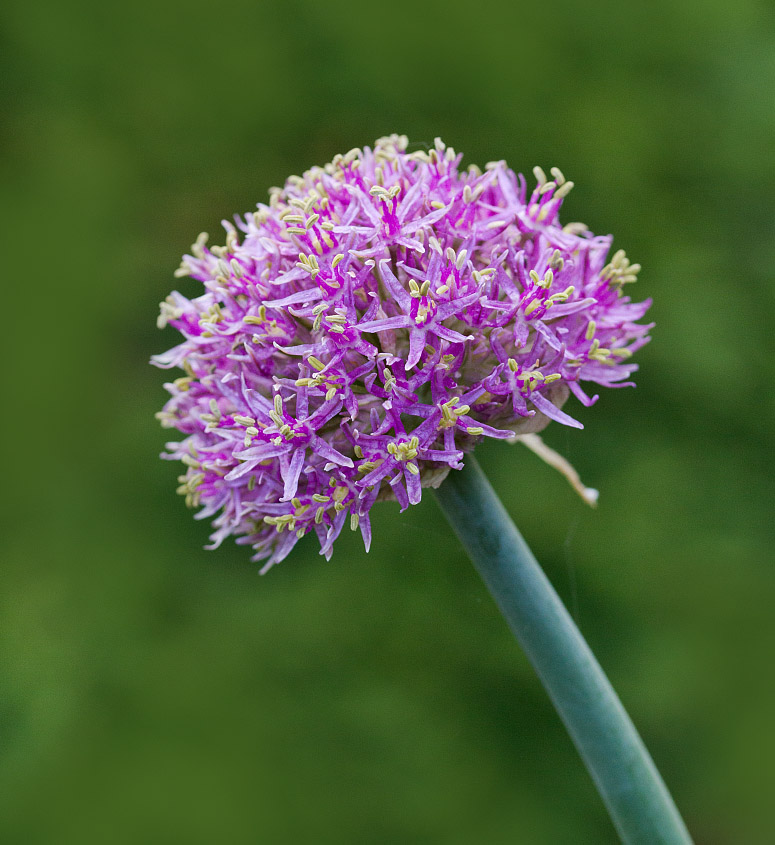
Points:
(365, 329)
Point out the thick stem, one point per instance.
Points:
(621, 767)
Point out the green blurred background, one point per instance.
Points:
(152, 692)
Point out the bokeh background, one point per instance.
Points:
(154, 692)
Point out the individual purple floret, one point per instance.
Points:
(362, 332)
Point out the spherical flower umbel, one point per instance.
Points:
(365, 329)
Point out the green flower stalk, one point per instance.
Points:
(624, 773)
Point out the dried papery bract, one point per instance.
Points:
(358, 335)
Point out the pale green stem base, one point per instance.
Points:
(624, 773)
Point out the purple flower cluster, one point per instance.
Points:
(362, 332)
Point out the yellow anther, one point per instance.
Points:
(547, 280)
(556, 261)
(620, 271)
(559, 178)
(536, 303)
(561, 297)
(590, 330)
(197, 248)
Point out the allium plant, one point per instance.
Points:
(358, 335)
